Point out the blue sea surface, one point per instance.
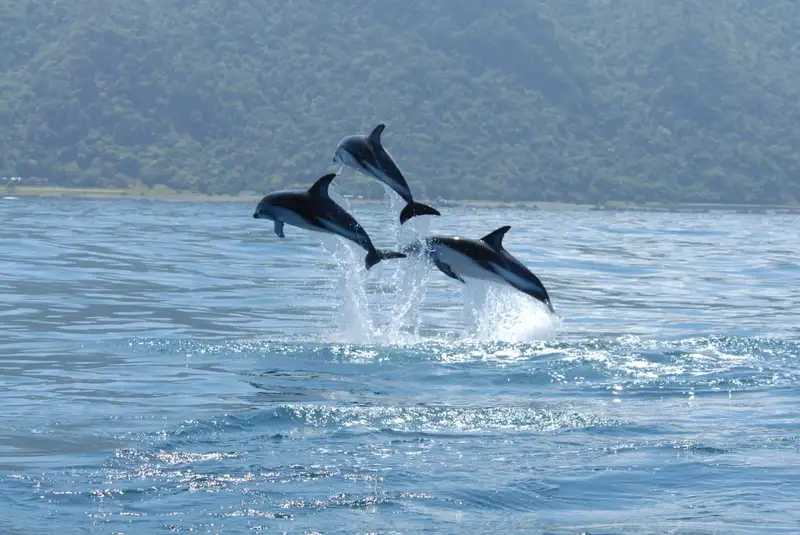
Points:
(174, 367)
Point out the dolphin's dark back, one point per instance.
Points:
(295, 200)
(319, 212)
(371, 158)
(360, 147)
(483, 253)
(473, 248)
(513, 263)
(370, 150)
(387, 163)
(518, 267)
(330, 209)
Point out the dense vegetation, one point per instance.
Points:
(554, 100)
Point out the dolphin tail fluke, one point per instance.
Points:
(376, 255)
(413, 209)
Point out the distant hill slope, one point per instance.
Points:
(568, 100)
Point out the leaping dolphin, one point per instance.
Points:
(367, 154)
(484, 259)
(314, 210)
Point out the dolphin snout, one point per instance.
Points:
(262, 213)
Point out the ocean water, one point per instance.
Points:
(174, 367)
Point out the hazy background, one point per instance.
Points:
(568, 100)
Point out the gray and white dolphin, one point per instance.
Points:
(314, 210)
(484, 259)
(367, 154)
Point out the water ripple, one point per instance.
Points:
(175, 367)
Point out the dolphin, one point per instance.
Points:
(314, 210)
(367, 154)
(484, 259)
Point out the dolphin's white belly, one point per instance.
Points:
(347, 159)
(350, 161)
(464, 265)
(293, 218)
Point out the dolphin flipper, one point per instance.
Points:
(447, 270)
(376, 255)
(279, 229)
(413, 209)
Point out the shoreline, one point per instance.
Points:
(185, 196)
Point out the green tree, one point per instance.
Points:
(576, 100)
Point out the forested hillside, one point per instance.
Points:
(552, 100)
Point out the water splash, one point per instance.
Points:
(353, 322)
(392, 313)
(407, 286)
(497, 313)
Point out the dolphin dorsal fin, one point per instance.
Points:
(375, 135)
(495, 238)
(320, 187)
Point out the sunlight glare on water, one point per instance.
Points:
(174, 367)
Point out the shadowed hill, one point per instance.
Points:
(575, 100)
